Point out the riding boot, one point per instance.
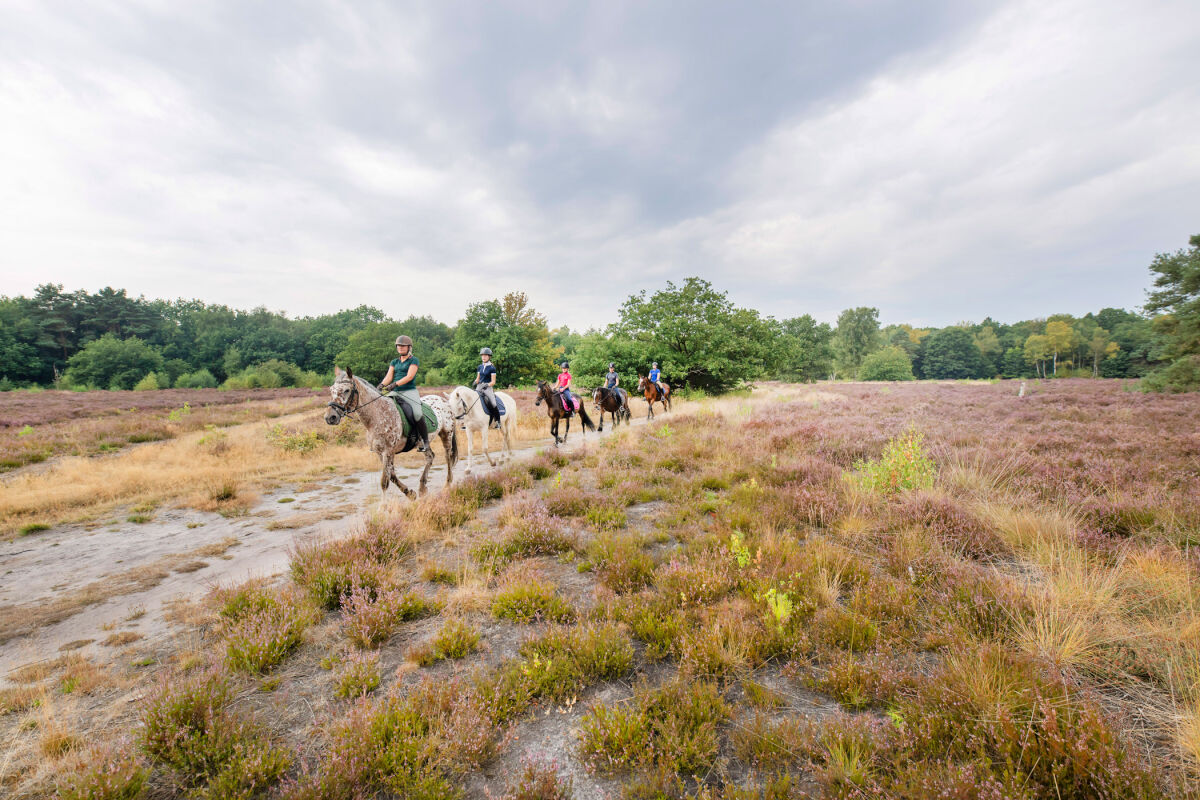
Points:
(423, 432)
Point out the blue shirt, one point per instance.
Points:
(484, 373)
(654, 375)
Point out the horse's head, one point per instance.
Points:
(641, 383)
(543, 390)
(458, 404)
(343, 396)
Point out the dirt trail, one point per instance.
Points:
(73, 588)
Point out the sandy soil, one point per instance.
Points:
(70, 589)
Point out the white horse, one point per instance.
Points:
(467, 409)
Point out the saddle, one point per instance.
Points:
(568, 407)
(411, 438)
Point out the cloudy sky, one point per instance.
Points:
(939, 160)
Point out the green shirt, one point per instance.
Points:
(401, 369)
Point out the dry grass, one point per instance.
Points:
(228, 466)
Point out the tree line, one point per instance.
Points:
(701, 340)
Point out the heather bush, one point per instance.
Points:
(370, 617)
(701, 579)
(539, 781)
(110, 773)
(620, 562)
(954, 525)
(531, 601)
(673, 726)
(261, 639)
(558, 665)
(332, 570)
(456, 639)
(529, 530)
(190, 727)
(358, 675)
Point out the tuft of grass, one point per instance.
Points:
(620, 562)
(531, 601)
(540, 781)
(435, 573)
(32, 527)
(261, 639)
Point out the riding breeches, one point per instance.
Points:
(412, 400)
(488, 394)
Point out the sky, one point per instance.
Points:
(942, 161)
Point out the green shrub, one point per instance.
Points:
(888, 364)
(456, 639)
(904, 465)
(200, 379)
(109, 774)
(260, 640)
(373, 616)
(358, 676)
(531, 601)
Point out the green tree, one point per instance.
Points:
(1037, 350)
(516, 333)
(1013, 365)
(368, 351)
(112, 363)
(989, 346)
(803, 350)
(951, 353)
(1100, 347)
(700, 339)
(1060, 337)
(1176, 297)
(889, 364)
(857, 335)
(596, 351)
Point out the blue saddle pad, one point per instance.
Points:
(500, 406)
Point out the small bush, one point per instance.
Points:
(530, 530)
(358, 676)
(190, 728)
(540, 781)
(673, 726)
(260, 640)
(109, 774)
(456, 639)
(294, 441)
(531, 601)
(904, 465)
(330, 571)
(620, 562)
(372, 617)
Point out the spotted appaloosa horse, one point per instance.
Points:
(651, 395)
(554, 409)
(385, 428)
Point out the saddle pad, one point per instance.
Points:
(431, 420)
(567, 406)
(500, 407)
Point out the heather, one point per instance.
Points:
(904, 591)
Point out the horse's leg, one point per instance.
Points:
(507, 441)
(448, 446)
(554, 430)
(389, 475)
(487, 453)
(470, 448)
(386, 477)
(425, 472)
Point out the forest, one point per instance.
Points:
(110, 340)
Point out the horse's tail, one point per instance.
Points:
(454, 444)
(587, 421)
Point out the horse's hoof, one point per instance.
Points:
(410, 494)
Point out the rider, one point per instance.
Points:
(485, 385)
(654, 376)
(564, 386)
(612, 380)
(402, 377)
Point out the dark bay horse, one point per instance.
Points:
(650, 393)
(615, 402)
(554, 409)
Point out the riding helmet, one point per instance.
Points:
(655, 365)
(487, 351)
(565, 365)
(403, 340)
(611, 365)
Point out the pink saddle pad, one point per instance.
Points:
(567, 406)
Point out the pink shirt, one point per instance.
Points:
(563, 379)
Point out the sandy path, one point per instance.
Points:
(85, 585)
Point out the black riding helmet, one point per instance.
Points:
(487, 351)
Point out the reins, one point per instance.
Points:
(345, 409)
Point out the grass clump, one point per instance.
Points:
(32, 527)
(673, 726)
(529, 530)
(330, 571)
(620, 562)
(540, 781)
(904, 465)
(372, 617)
(358, 676)
(456, 639)
(531, 601)
(191, 728)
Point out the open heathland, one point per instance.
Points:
(849, 591)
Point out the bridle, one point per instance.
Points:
(467, 408)
(352, 400)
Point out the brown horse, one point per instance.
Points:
(650, 393)
(555, 410)
(615, 402)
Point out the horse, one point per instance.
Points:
(468, 410)
(555, 410)
(385, 427)
(650, 393)
(615, 401)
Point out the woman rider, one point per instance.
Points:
(485, 385)
(612, 380)
(655, 374)
(564, 386)
(402, 378)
